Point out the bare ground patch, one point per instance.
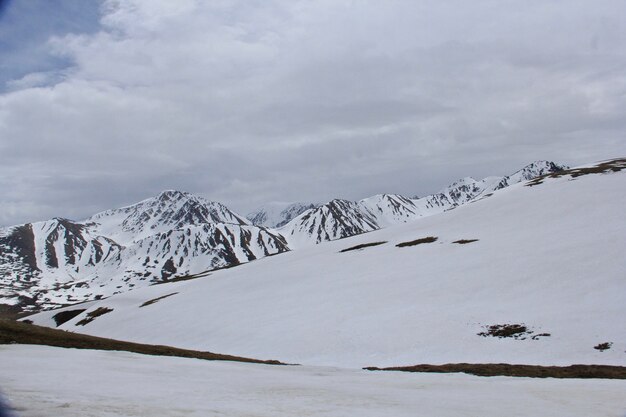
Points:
(429, 239)
(465, 241)
(65, 316)
(154, 300)
(514, 331)
(603, 346)
(91, 316)
(363, 246)
(505, 369)
(12, 332)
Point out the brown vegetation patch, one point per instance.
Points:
(429, 239)
(91, 316)
(65, 316)
(363, 245)
(154, 300)
(614, 165)
(12, 332)
(8, 311)
(505, 369)
(465, 241)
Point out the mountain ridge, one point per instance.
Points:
(176, 234)
(532, 274)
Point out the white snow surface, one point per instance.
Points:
(53, 382)
(549, 256)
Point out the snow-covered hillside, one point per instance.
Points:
(545, 258)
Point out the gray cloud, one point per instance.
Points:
(250, 102)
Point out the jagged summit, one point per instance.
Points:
(334, 220)
(170, 209)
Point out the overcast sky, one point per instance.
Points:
(103, 104)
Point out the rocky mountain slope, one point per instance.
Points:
(172, 235)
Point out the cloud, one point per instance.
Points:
(248, 102)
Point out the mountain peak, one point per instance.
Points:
(530, 171)
(172, 195)
(170, 209)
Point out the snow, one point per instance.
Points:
(277, 214)
(53, 382)
(549, 256)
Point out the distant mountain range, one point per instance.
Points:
(341, 218)
(533, 274)
(177, 235)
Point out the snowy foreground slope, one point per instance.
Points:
(101, 383)
(548, 256)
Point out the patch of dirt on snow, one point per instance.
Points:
(65, 316)
(154, 300)
(465, 241)
(515, 331)
(603, 346)
(12, 332)
(363, 245)
(91, 316)
(505, 369)
(429, 239)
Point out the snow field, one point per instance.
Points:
(99, 383)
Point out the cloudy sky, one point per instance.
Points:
(103, 104)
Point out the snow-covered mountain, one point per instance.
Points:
(529, 172)
(388, 209)
(169, 210)
(336, 219)
(533, 274)
(340, 218)
(177, 234)
(278, 214)
(173, 235)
